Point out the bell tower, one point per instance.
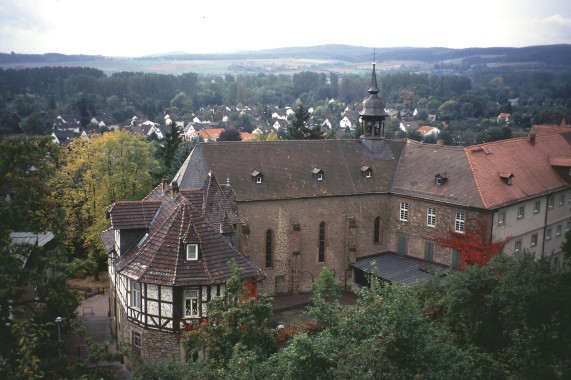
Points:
(373, 112)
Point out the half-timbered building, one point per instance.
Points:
(168, 256)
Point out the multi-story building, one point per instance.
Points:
(168, 256)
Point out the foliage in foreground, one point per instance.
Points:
(506, 320)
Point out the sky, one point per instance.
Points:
(135, 28)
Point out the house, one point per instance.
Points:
(63, 137)
(279, 124)
(503, 117)
(408, 125)
(427, 130)
(210, 134)
(543, 129)
(168, 257)
(530, 196)
(174, 118)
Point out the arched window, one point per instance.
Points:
(377, 228)
(322, 242)
(268, 248)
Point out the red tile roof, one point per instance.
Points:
(529, 162)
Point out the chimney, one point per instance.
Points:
(440, 142)
(532, 138)
(165, 184)
(174, 189)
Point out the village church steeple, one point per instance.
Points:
(373, 113)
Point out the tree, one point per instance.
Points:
(107, 168)
(325, 298)
(236, 327)
(171, 144)
(473, 245)
(230, 134)
(298, 128)
(28, 345)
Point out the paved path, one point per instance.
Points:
(94, 313)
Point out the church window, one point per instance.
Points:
(268, 249)
(377, 229)
(322, 242)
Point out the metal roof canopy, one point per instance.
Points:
(399, 269)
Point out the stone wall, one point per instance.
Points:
(154, 345)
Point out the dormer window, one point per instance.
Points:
(257, 176)
(317, 173)
(506, 177)
(440, 178)
(366, 171)
(192, 252)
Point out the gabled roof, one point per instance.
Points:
(528, 162)
(285, 166)
(421, 163)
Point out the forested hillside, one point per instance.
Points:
(31, 99)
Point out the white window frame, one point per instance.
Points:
(319, 176)
(259, 179)
(536, 207)
(517, 246)
(561, 199)
(550, 202)
(533, 240)
(403, 215)
(459, 222)
(501, 217)
(190, 295)
(136, 339)
(521, 212)
(368, 174)
(548, 234)
(431, 216)
(136, 295)
(558, 230)
(192, 252)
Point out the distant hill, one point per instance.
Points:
(325, 58)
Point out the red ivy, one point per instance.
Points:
(474, 247)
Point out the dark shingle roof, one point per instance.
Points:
(287, 165)
(161, 257)
(421, 163)
(135, 214)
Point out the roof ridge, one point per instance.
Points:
(475, 177)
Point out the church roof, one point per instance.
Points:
(287, 165)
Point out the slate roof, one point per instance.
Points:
(399, 269)
(286, 168)
(421, 163)
(529, 162)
